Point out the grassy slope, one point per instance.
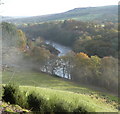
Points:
(50, 85)
(91, 104)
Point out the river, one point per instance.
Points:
(63, 49)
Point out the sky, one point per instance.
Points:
(43, 7)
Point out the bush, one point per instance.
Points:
(59, 107)
(9, 93)
(13, 95)
(79, 109)
(35, 102)
(39, 103)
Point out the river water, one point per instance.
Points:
(63, 49)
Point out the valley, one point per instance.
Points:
(66, 62)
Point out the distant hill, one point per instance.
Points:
(6, 18)
(98, 14)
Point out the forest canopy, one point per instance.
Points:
(90, 38)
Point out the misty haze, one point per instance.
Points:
(60, 62)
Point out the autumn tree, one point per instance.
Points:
(40, 56)
(22, 41)
(80, 71)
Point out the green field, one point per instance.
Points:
(85, 101)
(50, 86)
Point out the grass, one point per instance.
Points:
(74, 99)
(51, 86)
(43, 80)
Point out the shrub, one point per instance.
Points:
(79, 109)
(60, 107)
(35, 102)
(39, 103)
(13, 95)
(22, 99)
(9, 93)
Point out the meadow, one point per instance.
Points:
(56, 89)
